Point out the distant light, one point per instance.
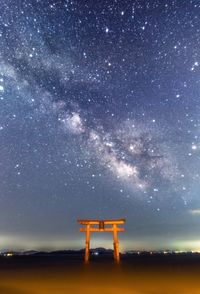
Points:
(196, 251)
(9, 254)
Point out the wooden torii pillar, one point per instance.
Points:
(101, 226)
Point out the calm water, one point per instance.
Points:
(134, 275)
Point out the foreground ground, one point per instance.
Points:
(134, 275)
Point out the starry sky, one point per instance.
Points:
(100, 118)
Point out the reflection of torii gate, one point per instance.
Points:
(100, 226)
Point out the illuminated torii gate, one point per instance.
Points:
(101, 226)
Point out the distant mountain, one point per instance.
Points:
(29, 252)
(99, 250)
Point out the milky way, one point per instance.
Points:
(99, 117)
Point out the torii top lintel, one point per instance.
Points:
(106, 222)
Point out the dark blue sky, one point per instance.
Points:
(99, 118)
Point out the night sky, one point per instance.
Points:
(100, 118)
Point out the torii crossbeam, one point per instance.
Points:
(92, 225)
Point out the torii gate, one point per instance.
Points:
(100, 226)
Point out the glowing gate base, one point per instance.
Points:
(101, 226)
